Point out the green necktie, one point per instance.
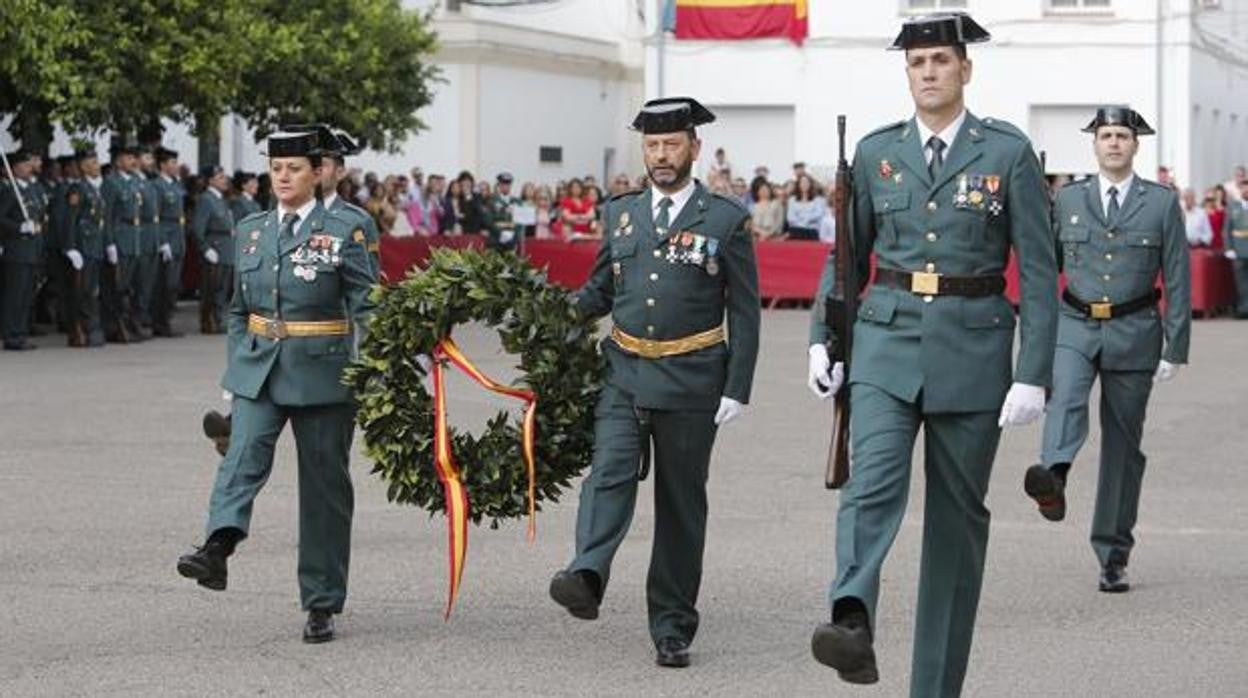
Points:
(1111, 214)
(663, 221)
(938, 156)
(288, 224)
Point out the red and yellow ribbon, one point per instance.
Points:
(448, 470)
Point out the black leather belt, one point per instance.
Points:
(931, 284)
(1106, 311)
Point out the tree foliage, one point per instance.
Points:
(362, 65)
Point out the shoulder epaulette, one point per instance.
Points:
(731, 200)
(253, 218)
(621, 195)
(886, 128)
(1003, 127)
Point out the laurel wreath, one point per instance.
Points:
(535, 321)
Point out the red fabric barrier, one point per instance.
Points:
(567, 263)
(400, 254)
(1213, 281)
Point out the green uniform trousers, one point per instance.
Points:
(1241, 286)
(168, 286)
(959, 449)
(682, 455)
(117, 282)
(19, 299)
(82, 298)
(146, 276)
(323, 436)
(216, 282)
(1124, 401)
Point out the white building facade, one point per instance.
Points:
(1182, 63)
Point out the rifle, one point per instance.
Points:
(841, 308)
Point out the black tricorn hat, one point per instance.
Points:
(20, 156)
(334, 144)
(85, 154)
(939, 29)
(292, 142)
(164, 154)
(346, 145)
(1120, 116)
(671, 114)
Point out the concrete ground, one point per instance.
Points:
(104, 481)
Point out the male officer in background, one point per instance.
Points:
(1235, 233)
(499, 211)
(212, 225)
(1115, 233)
(23, 221)
(676, 263)
(172, 242)
(122, 202)
(940, 200)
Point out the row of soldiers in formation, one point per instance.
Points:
(109, 249)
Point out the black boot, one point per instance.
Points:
(672, 652)
(207, 564)
(1048, 487)
(845, 644)
(319, 628)
(580, 592)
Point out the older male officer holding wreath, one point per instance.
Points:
(676, 272)
(940, 200)
(1115, 233)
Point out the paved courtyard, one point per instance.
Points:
(104, 480)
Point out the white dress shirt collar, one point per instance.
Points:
(303, 212)
(216, 191)
(329, 199)
(1123, 187)
(679, 199)
(948, 134)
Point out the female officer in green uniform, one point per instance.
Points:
(301, 290)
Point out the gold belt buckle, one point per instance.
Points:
(275, 328)
(925, 283)
(1101, 311)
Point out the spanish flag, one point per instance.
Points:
(741, 19)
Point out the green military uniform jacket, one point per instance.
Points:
(211, 225)
(1235, 229)
(989, 197)
(1119, 262)
(84, 230)
(499, 215)
(321, 273)
(152, 236)
(172, 213)
(665, 287)
(19, 248)
(122, 201)
(242, 206)
(58, 216)
(364, 220)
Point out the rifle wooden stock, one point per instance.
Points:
(841, 309)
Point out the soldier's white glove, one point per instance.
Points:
(28, 228)
(1230, 254)
(111, 253)
(506, 236)
(1023, 405)
(1165, 371)
(75, 259)
(166, 253)
(729, 410)
(212, 256)
(227, 396)
(426, 365)
(823, 379)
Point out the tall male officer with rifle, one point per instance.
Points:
(939, 200)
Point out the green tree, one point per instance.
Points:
(361, 65)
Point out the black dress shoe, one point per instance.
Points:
(577, 592)
(672, 652)
(19, 346)
(1114, 580)
(1043, 485)
(167, 333)
(846, 645)
(207, 566)
(319, 628)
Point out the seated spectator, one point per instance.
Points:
(381, 209)
(1199, 233)
(804, 210)
(827, 224)
(594, 195)
(545, 214)
(767, 214)
(576, 212)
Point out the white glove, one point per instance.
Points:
(227, 396)
(506, 236)
(426, 364)
(729, 410)
(823, 379)
(1230, 254)
(1023, 405)
(111, 253)
(1165, 371)
(166, 253)
(212, 256)
(28, 228)
(75, 259)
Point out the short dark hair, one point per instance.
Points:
(757, 185)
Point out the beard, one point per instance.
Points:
(670, 176)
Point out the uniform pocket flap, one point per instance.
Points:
(987, 313)
(1072, 234)
(1144, 239)
(623, 247)
(887, 203)
(878, 307)
(249, 262)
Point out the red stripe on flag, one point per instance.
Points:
(734, 23)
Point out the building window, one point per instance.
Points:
(920, 6)
(1079, 5)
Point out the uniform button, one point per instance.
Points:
(996, 321)
(244, 287)
(870, 311)
(1110, 235)
(658, 254)
(1104, 299)
(654, 277)
(927, 299)
(930, 267)
(277, 267)
(1109, 256)
(931, 237)
(1106, 277)
(649, 329)
(650, 302)
(932, 206)
(1145, 241)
